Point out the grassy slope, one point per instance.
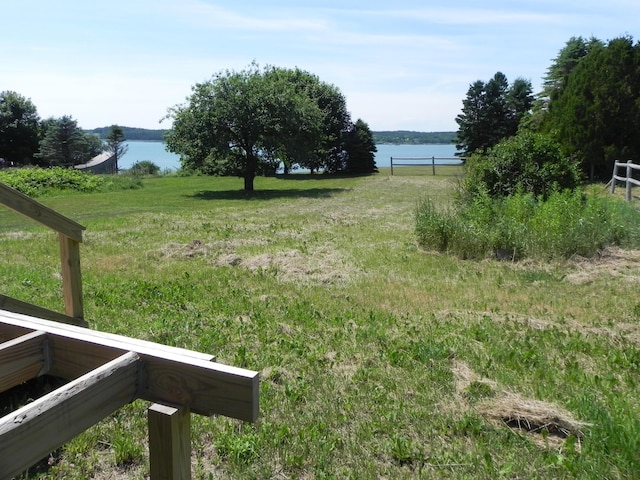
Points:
(378, 359)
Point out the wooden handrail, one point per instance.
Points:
(27, 206)
(70, 236)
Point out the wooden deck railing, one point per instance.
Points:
(70, 237)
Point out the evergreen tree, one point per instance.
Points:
(492, 111)
(597, 113)
(65, 144)
(116, 145)
(360, 149)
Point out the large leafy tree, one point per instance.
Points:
(65, 144)
(322, 149)
(243, 123)
(19, 129)
(116, 143)
(492, 111)
(597, 113)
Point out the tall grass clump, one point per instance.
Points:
(522, 198)
(567, 223)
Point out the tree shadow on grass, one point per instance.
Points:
(267, 194)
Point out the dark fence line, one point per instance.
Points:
(425, 162)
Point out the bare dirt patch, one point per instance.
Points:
(322, 265)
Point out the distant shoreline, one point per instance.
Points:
(395, 137)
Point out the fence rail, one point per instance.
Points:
(627, 178)
(425, 162)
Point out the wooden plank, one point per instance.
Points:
(71, 276)
(22, 359)
(18, 306)
(174, 376)
(14, 324)
(169, 442)
(35, 210)
(207, 388)
(31, 432)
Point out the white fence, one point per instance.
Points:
(628, 179)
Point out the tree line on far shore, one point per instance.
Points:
(386, 137)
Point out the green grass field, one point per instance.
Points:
(378, 359)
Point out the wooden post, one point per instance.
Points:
(71, 276)
(433, 165)
(629, 184)
(391, 166)
(613, 177)
(169, 442)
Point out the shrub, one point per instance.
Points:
(38, 182)
(529, 163)
(566, 223)
(144, 167)
(42, 181)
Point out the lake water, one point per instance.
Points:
(156, 153)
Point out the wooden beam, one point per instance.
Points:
(18, 306)
(22, 359)
(35, 210)
(33, 431)
(169, 442)
(71, 276)
(173, 375)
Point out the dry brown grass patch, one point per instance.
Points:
(533, 416)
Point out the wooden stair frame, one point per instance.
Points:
(105, 372)
(70, 237)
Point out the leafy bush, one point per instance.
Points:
(38, 182)
(567, 223)
(41, 181)
(529, 163)
(144, 167)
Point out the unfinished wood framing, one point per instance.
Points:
(107, 371)
(70, 237)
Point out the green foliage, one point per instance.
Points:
(596, 113)
(19, 128)
(144, 167)
(64, 144)
(527, 163)
(37, 182)
(565, 224)
(115, 144)
(132, 133)
(405, 137)
(360, 149)
(41, 181)
(245, 123)
(491, 112)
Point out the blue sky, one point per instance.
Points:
(402, 64)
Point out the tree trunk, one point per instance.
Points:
(248, 182)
